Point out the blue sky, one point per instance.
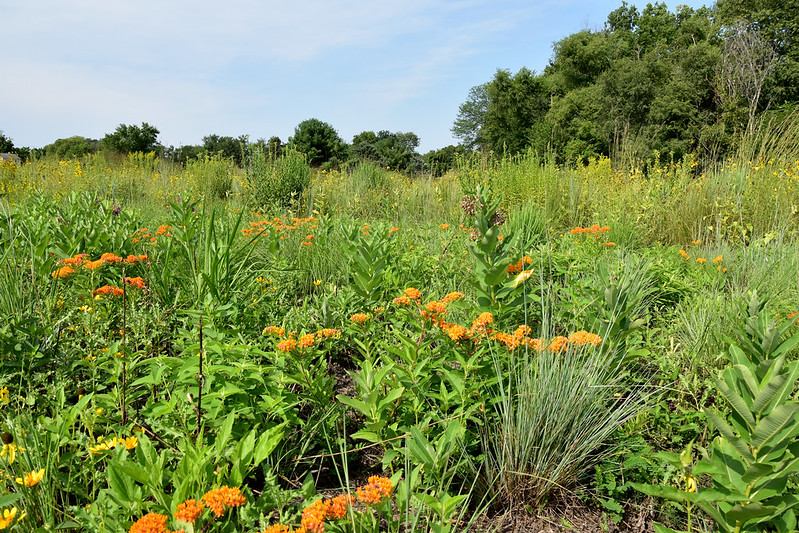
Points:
(260, 67)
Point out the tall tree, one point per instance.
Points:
(132, 138)
(468, 126)
(319, 141)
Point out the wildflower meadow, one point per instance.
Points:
(513, 346)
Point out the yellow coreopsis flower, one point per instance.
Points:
(8, 517)
(31, 479)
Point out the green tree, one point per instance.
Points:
(438, 162)
(778, 23)
(515, 104)
(132, 138)
(72, 147)
(6, 144)
(319, 141)
(393, 150)
(228, 147)
(468, 126)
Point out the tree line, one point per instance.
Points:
(649, 82)
(317, 140)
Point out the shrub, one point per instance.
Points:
(277, 180)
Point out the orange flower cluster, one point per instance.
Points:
(136, 282)
(701, 260)
(685, 254)
(402, 300)
(274, 330)
(289, 343)
(519, 266)
(150, 523)
(594, 230)
(377, 490)
(108, 290)
(218, 500)
(63, 272)
(279, 225)
(359, 318)
(189, 511)
(82, 261)
(144, 234)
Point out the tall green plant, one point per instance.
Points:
(757, 451)
(277, 180)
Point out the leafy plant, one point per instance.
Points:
(751, 461)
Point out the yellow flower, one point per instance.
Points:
(31, 479)
(8, 517)
(521, 278)
(317, 282)
(690, 483)
(10, 450)
(4, 397)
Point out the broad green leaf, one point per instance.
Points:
(769, 392)
(769, 427)
(728, 433)
(745, 512)
(756, 471)
(737, 402)
(369, 436)
(223, 434)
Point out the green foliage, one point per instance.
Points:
(72, 147)
(277, 181)
(225, 147)
(6, 143)
(131, 138)
(396, 151)
(751, 461)
(468, 126)
(319, 141)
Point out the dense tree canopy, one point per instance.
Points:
(392, 150)
(131, 138)
(651, 81)
(319, 141)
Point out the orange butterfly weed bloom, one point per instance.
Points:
(413, 293)
(313, 516)
(63, 272)
(93, 265)
(137, 282)
(359, 318)
(274, 330)
(219, 499)
(189, 511)
(287, 345)
(276, 528)
(378, 489)
(483, 320)
(108, 290)
(150, 523)
(110, 258)
(306, 341)
(328, 333)
(337, 508)
(402, 300)
(452, 297)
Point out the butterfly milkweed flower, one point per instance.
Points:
(307, 340)
(287, 345)
(110, 258)
(150, 523)
(63, 272)
(413, 293)
(31, 479)
(274, 330)
(337, 508)
(313, 516)
(359, 318)
(219, 499)
(277, 528)
(378, 489)
(402, 300)
(189, 511)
